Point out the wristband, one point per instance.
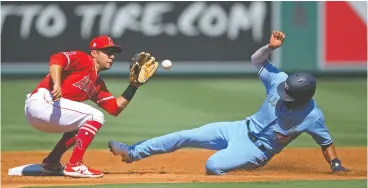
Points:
(129, 92)
(335, 163)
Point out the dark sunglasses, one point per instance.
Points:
(108, 50)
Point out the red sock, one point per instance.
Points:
(84, 138)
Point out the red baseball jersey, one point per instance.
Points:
(80, 81)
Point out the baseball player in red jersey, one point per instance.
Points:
(55, 106)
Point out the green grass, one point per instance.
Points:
(280, 184)
(163, 106)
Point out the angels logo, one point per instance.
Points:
(280, 136)
(78, 143)
(86, 85)
(110, 41)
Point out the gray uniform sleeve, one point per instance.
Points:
(261, 56)
(268, 73)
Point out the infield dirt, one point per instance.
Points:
(188, 166)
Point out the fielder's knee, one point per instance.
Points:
(212, 168)
(98, 116)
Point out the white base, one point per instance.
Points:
(26, 170)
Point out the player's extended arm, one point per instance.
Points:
(123, 100)
(331, 157)
(141, 68)
(261, 55)
(115, 105)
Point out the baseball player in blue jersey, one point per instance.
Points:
(287, 111)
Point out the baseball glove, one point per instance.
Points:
(142, 67)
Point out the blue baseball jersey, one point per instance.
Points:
(275, 125)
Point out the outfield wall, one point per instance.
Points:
(199, 37)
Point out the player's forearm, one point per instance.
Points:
(55, 72)
(329, 153)
(122, 102)
(261, 56)
(115, 106)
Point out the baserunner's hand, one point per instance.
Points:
(276, 39)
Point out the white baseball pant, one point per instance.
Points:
(61, 116)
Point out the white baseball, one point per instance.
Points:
(166, 64)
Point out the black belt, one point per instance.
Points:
(254, 139)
